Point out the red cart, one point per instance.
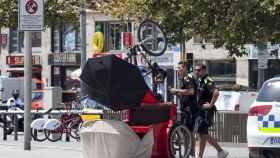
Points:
(171, 139)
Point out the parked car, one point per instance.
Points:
(263, 125)
(228, 101)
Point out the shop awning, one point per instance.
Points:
(21, 69)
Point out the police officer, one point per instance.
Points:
(207, 95)
(187, 95)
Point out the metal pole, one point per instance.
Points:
(83, 41)
(165, 90)
(260, 80)
(15, 127)
(5, 127)
(262, 63)
(175, 84)
(27, 90)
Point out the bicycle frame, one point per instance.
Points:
(155, 70)
(65, 123)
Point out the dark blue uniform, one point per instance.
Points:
(189, 103)
(205, 89)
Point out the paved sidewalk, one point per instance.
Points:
(235, 150)
(16, 151)
(62, 149)
(73, 150)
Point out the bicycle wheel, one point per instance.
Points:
(75, 130)
(153, 34)
(54, 135)
(180, 142)
(38, 135)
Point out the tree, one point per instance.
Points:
(56, 12)
(229, 23)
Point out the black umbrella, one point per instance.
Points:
(114, 82)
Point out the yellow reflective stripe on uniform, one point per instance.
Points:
(206, 81)
(270, 130)
(210, 79)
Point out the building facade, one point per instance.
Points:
(56, 50)
(220, 66)
(56, 53)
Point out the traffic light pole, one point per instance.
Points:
(262, 63)
(83, 41)
(27, 90)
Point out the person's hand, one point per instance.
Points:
(207, 106)
(173, 91)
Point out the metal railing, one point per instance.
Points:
(230, 127)
(35, 114)
(227, 127)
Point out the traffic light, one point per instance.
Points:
(188, 57)
(190, 62)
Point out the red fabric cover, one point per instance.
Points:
(149, 98)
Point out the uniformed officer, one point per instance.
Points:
(207, 95)
(187, 95)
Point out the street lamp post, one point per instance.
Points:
(262, 63)
(27, 90)
(83, 41)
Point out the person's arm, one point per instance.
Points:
(187, 89)
(215, 94)
(21, 102)
(214, 98)
(9, 102)
(181, 92)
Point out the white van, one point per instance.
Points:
(7, 85)
(228, 101)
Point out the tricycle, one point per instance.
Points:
(119, 85)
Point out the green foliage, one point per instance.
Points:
(229, 23)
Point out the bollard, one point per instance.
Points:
(67, 139)
(16, 127)
(5, 127)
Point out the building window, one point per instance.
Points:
(66, 38)
(222, 68)
(56, 40)
(17, 41)
(113, 34)
(13, 41)
(71, 38)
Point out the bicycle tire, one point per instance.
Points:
(50, 134)
(34, 134)
(75, 130)
(164, 34)
(186, 137)
(9, 131)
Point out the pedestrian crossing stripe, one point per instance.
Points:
(269, 124)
